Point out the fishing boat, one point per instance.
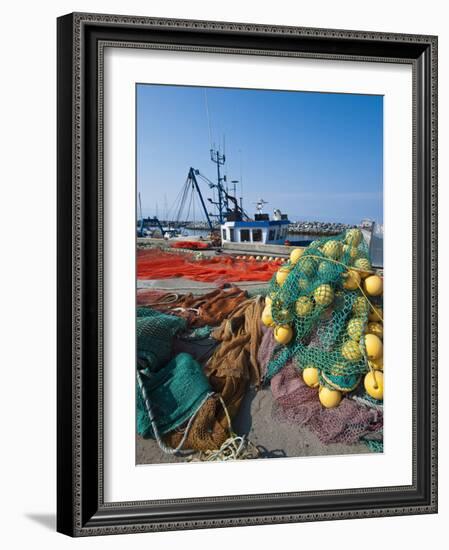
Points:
(227, 225)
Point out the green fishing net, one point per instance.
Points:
(155, 332)
(175, 387)
(175, 393)
(328, 319)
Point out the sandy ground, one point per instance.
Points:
(273, 438)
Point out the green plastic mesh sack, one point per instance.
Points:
(328, 320)
(175, 392)
(154, 333)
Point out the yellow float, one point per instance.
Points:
(376, 314)
(374, 384)
(332, 249)
(303, 306)
(360, 306)
(283, 334)
(351, 351)
(326, 269)
(268, 300)
(329, 398)
(364, 266)
(355, 329)
(284, 316)
(353, 237)
(267, 318)
(311, 376)
(324, 295)
(378, 364)
(375, 328)
(303, 284)
(352, 280)
(282, 275)
(295, 255)
(350, 251)
(373, 285)
(374, 347)
(307, 266)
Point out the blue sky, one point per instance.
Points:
(315, 156)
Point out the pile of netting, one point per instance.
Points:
(207, 309)
(186, 400)
(157, 264)
(197, 245)
(297, 403)
(169, 392)
(324, 306)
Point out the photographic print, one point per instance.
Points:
(259, 261)
(223, 195)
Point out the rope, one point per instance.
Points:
(184, 309)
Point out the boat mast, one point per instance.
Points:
(141, 217)
(192, 178)
(219, 160)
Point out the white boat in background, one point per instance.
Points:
(261, 230)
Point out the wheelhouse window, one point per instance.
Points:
(231, 234)
(244, 236)
(257, 235)
(271, 235)
(223, 233)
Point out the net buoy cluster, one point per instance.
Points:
(325, 309)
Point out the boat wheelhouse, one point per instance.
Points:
(261, 230)
(265, 232)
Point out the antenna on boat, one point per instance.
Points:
(259, 205)
(241, 181)
(208, 117)
(165, 207)
(219, 159)
(141, 217)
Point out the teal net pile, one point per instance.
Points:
(175, 393)
(155, 332)
(327, 311)
(171, 388)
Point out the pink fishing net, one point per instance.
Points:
(297, 403)
(265, 350)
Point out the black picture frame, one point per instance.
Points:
(81, 509)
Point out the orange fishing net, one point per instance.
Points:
(198, 245)
(205, 433)
(158, 264)
(234, 363)
(208, 309)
